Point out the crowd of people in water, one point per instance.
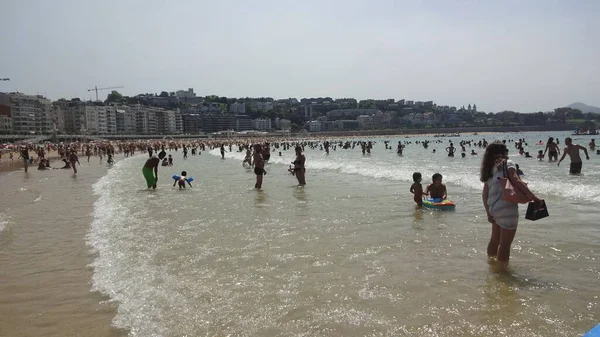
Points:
(495, 165)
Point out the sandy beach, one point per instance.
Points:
(45, 274)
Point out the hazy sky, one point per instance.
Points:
(502, 55)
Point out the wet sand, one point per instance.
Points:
(17, 164)
(44, 274)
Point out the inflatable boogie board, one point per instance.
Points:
(189, 180)
(444, 205)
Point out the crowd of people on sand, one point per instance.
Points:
(495, 164)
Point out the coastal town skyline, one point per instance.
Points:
(524, 57)
(183, 112)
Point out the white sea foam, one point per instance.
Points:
(116, 273)
(3, 221)
(543, 178)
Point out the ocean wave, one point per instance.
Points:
(4, 221)
(110, 237)
(542, 179)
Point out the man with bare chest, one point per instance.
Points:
(573, 151)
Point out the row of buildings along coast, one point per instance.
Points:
(183, 112)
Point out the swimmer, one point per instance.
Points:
(223, 151)
(437, 190)
(451, 149)
(540, 155)
(417, 189)
(259, 166)
(182, 180)
(573, 151)
(248, 158)
(519, 172)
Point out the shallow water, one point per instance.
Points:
(347, 255)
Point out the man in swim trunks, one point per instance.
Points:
(573, 151)
(259, 166)
(24, 153)
(150, 176)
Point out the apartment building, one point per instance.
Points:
(28, 113)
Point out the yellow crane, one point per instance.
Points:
(109, 88)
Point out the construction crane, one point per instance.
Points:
(96, 89)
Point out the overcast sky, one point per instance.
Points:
(502, 55)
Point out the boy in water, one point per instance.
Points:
(417, 189)
(540, 155)
(437, 190)
(182, 180)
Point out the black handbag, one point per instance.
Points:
(536, 210)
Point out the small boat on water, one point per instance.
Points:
(585, 132)
(447, 135)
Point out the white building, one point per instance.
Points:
(125, 120)
(5, 124)
(96, 120)
(111, 120)
(165, 121)
(262, 124)
(5, 114)
(283, 124)
(263, 106)
(365, 122)
(238, 108)
(314, 126)
(185, 93)
(415, 118)
(178, 122)
(73, 114)
(145, 119)
(30, 114)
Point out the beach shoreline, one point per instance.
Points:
(7, 165)
(46, 262)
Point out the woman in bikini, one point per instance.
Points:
(553, 150)
(299, 170)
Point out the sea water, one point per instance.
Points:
(348, 254)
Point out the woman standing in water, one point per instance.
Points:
(503, 215)
(553, 150)
(299, 170)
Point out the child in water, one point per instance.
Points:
(540, 155)
(182, 180)
(437, 190)
(417, 189)
(519, 172)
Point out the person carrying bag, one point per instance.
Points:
(503, 190)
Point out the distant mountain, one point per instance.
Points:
(584, 107)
